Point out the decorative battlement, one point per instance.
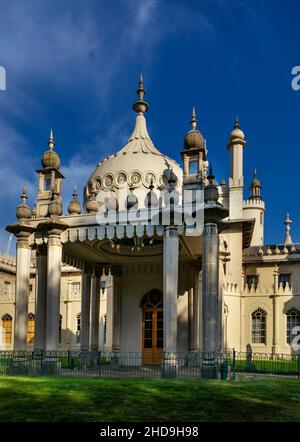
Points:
(263, 289)
(254, 203)
(259, 289)
(272, 250)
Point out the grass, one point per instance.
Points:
(98, 399)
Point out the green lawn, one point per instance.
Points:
(98, 399)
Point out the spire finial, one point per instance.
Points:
(211, 176)
(194, 120)
(51, 142)
(254, 173)
(236, 123)
(141, 105)
(75, 193)
(288, 239)
(141, 90)
(24, 196)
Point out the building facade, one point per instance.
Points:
(130, 272)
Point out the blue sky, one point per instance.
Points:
(74, 65)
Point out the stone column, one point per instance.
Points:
(275, 340)
(95, 310)
(109, 312)
(242, 308)
(53, 289)
(170, 288)
(210, 279)
(195, 344)
(190, 312)
(68, 301)
(23, 255)
(117, 308)
(40, 314)
(85, 307)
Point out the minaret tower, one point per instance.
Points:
(254, 207)
(50, 179)
(194, 156)
(236, 147)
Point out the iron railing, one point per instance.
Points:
(189, 365)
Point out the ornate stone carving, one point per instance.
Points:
(108, 181)
(121, 179)
(135, 178)
(98, 183)
(149, 179)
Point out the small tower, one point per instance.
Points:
(49, 178)
(254, 207)
(194, 154)
(288, 240)
(255, 188)
(236, 147)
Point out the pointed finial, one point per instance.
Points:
(75, 193)
(254, 173)
(211, 176)
(24, 196)
(141, 90)
(236, 123)
(288, 239)
(51, 142)
(194, 120)
(141, 105)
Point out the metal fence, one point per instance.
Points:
(189, 365)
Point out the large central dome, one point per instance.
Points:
(138, 165)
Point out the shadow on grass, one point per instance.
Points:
(98, 399)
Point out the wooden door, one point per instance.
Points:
(152, 335)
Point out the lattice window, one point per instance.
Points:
(7, 328)
(259, 319)
(75, 290)
(285, 279)
(30, 328)
(252, 281)
(292, 320)
(154, 298)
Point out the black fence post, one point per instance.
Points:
(233, 364)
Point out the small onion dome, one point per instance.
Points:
(55, 206)
(211, 193)
(111, 202)
(131, 200)
(237, 133)
(74, 205)
(151, 199)
(50, 158)
(194, 138)
(255, 182)
(23, 210)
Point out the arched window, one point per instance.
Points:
(258, 320)
(78, 328)
(7, 328)
(59, 329)
(30, 328)
(292, 320)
